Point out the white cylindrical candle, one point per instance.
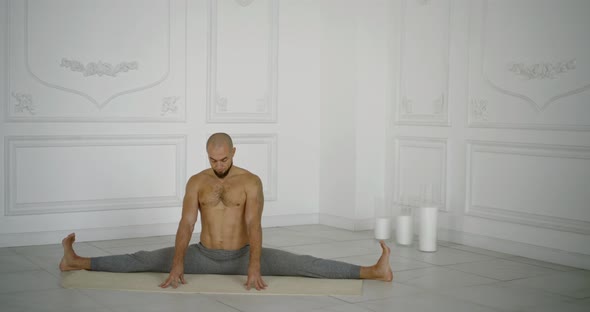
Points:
(403, 231)
(382, 228)
(428, 225)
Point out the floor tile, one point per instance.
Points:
(58, 300)
(371, 244)
(574, 284)
(262, 303)
(347, 307)
(147, 302)
(44, 249)
(455, 278)
(443, 256)
(397, 263)
(507, 297)
(50, 261)
(374, 290)
(7, 251)
(48, 257)
(501, 269)
(481, 251)
(554, 266)
(439, 278)
(426, 302)
(82, 249)
(569, 306)
(27, 281)
(16, 263)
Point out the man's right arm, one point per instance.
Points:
(190, 211)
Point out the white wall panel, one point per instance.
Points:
(242, 77)
(96, 61)
(424, 63)
(529, 65)
(421, 171)
(85, 81)
(69, 174)
(257, 153)
(540, 185)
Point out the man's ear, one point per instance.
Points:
(233, 151)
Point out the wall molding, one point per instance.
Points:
(537, 106)
(479, 109)
(99, 68)
(527, 126)
(12, 143)
(270, 140)
(539, 71)
(170, 104)
(217, 104)
(523, 218)
(244, 3)
(24, 103)
(542, 253)
(440, 144)
(98, 104)
(38, 117)
(441, 112)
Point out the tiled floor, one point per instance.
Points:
(455, 278)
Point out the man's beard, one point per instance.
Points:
(223, 174)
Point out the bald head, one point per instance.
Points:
(218, 140)
(221, 150)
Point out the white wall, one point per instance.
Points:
(356, 93)
(485, 101)
(492, 110)
(337, 111)
(106, 151)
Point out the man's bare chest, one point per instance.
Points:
(224, 195)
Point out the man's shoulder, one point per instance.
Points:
(198, 177)
(246, 175)
(250, 179)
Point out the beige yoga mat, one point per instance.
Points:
(211, 284)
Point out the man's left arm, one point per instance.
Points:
(253, 218)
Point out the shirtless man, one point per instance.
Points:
(230, 201)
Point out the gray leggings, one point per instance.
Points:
(202, 260)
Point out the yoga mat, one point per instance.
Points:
(211, 284)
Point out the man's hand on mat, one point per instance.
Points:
(255, 280)
(176, 275)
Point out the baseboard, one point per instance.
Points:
(135, 231)
(288, 220)
(83, 235)
(346, 223)
(546, 254)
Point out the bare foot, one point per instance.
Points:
(382, 268)
(70, 259)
